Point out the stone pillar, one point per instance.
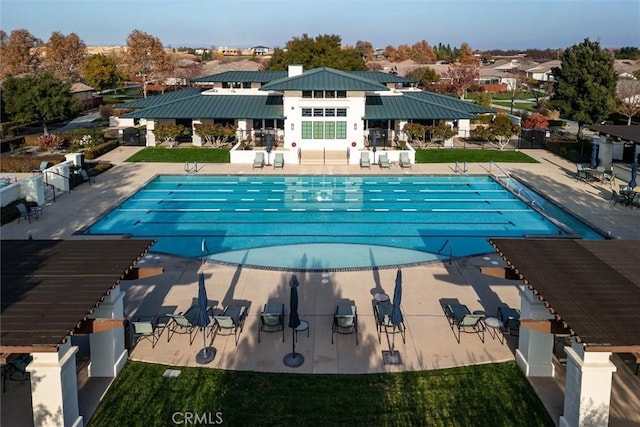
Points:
(32, 189)
(54, 387)
(535, 349)
(108, 354)
(588, 387)
(605, 152)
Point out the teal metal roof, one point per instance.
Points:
(448, 102)
(164, 98)
(324, 78)
(216, 107)
(380, 77)
(408, 108)
(242, 77)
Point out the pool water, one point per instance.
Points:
(325, 222)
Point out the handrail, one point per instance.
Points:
(47, 171)
(53, 188)
(516, 188)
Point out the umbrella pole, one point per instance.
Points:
(293, 339)
(204, 342)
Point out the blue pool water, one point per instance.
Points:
(332, 222)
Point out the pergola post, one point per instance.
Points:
(54, 387)
(588, 387)
(535, 349)
(108, 353)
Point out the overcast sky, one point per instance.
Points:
(484, 24)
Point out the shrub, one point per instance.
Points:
(50, 142)
(99, 150)
(106, 111)
(26, 163)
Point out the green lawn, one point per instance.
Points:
(471, 156)
(481, 395)
(181, 155)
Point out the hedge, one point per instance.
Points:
(99, 150)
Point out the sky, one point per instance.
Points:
(483, 24)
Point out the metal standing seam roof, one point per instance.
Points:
(380, 77)
(592, 286)
(404, 107)
(165, 98)
(242, 77)
(448, 102)
(324, 78)
(216, 106)
(49, 287)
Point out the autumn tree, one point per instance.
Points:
(40, 98)
(216, 135)
(321, 51)
(169, 133)
(462, 76)
(391, 53)
(501, 131)
(19, 53)
(585, 84)
(629, 96)
(101, 72)
(366, 49)
(423, 53)
(465, 55)
(425, 76)
(64, 56)
(145, 59)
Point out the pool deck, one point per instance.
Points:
(430, 343)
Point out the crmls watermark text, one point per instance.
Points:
(197, 418)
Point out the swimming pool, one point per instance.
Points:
(333, 222)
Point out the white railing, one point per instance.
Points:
(513, 185)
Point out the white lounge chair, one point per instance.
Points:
(364, 160)
(383, 160)
(258, 161)
(404, 160)
(278, 161)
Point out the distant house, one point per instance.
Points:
(543, 72)
(86, 95)
(261, 50)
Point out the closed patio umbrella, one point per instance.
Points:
(374, 145)
(268, 139)
(202, 320)
(294, 359)
(634, 173)
(396, 313)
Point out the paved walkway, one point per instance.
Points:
(430, 343)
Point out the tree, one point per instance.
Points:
(145, 59)
(169, 133)
(101, 72)
(629, 95)
(391, 53)
(536, 121)
(423, 53)
(484, 99)
(323, 51)
(19, 53)
(462, 76)
(64, 56)
(465, 55)
(41, 98)
(425, 76)
(501, 130)
(585, 84)
(215, 134)
(366, 49)
(403, 53)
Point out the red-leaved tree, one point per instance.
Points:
(462, 76)
(536, 121)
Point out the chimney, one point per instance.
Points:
(295, 70)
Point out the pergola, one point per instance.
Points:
(584, 288)
(52, 289)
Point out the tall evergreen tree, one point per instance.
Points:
(585, 84)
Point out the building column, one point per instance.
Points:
(605, 152)
(535, 349)
(54, 387)
(108, 354)
(587, 393)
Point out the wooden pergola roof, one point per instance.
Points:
(624, 133)
(49, 287)
(591, 286)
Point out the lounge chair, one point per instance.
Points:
(272, 319)
(382, 313)
(232, 320)
(345, 321)
(404, 160)
(364, 160)
(185, 323)
(383, 160)
(460, 318)
(86, 177)
(26, 213)
(43, 165)
(146, 329)
(509, 319)
(278, 160)
(258, 161)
